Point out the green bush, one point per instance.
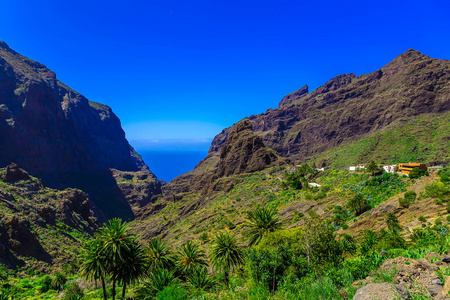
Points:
(438, 190)
(173, 292)
(73, 290)
(445, 175)
(438, 221)
(417, 173)
(359, 204)
(403, 202)
(422, 219)
(411, 196)
(313, 214)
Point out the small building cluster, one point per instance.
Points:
(403, 168)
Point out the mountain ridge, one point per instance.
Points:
(58, 135)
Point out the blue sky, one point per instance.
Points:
(183, 70)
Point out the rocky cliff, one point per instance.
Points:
(40, 225)
(58, 135)
(349, 108)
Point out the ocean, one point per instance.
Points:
(167, 165)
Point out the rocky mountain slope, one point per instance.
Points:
(40, 226)
(58, 135)
(395, 114)
(348, 108)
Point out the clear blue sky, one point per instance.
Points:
(186, 69)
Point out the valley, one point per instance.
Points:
(255, 219)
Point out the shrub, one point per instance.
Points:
(403, 202)
(410, 195)
(417, 173)
(448, 218)
(359, 204)
(422, 219)
(73, 290)
(438, 190)
(313, 214)
(438, 222)
(204, 237)
(173, 292)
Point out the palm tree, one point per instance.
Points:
(158, 280)
(373, 168)
(359, 204)
(58, 281)
(261, 221)
(226, 254)
(159, 255)
(199, 280)
(118, 247)
(189, 256)
(133, 266)
(93, 263)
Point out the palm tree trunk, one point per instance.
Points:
(227, 281)
(123, 290)
(114, 290)
(105, 296)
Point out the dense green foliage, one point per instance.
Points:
(308, 261)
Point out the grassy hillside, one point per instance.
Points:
(424, 138)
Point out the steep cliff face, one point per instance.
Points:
(58, 135)
(348, 108)
(47, 127)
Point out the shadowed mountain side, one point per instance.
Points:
(32, 215)
(58, 135)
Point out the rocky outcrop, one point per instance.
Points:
(244, 152)
(372, 291)
(412, 277)
(14, 173)
(57, 134)
(288, 99)
(36, 222)
(348, 108)
(139, 188)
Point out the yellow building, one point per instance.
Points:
(406, 168)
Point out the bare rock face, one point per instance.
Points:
(288, 99)
(244, 152)
(348, 108)
(14, 173)
(372, 291)
(58, 135)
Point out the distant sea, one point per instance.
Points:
(167, 165)
(169, 158)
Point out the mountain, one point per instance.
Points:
(58, 135)
(349, 108)
(398, 113)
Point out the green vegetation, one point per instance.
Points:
(313, 260)
(401, 142)
(261, 221)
